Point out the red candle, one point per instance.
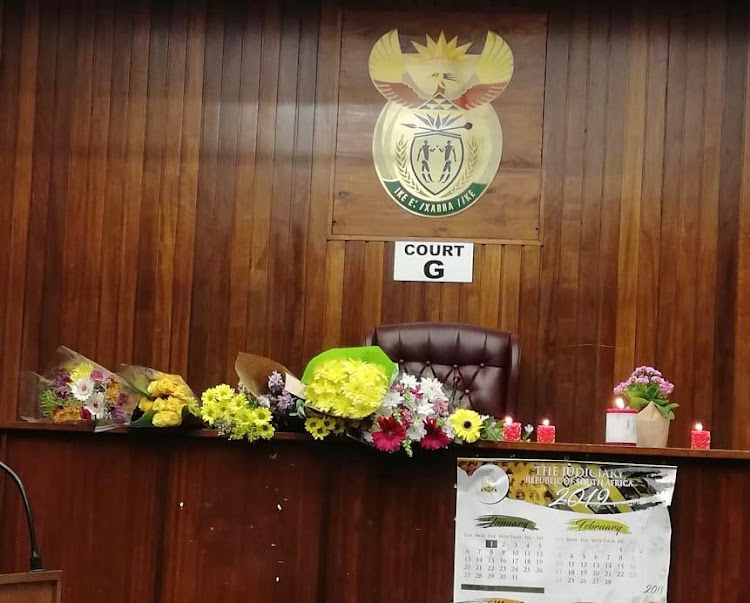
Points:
(700, 439)
(511, 430)
(545, 433)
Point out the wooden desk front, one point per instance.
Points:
(136, 518)
(30, 587)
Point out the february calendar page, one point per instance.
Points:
(562, 532)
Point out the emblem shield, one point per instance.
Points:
(436, 159)
(437, 142)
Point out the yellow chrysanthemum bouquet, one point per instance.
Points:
(345, 384)
(236, 414)
(266, 399)
(166, 400)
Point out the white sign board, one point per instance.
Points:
(562, 531)
(433, 261)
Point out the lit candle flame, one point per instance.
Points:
(545, 422)
(699, 427)
(619, 403)
(508, 420)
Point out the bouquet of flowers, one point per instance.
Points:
(418, 411)
(344, 386)
(272, 386)
(78, 389)
(348, 383)
(646, 385)
(166, 400)
(285, 405)
(237, 414)
(352, 390)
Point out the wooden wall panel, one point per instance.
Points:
(168, 177)
(509, 209)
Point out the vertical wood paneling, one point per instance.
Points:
(355, 278)
(47, 326)
(692, 158)
(300, 233)
(12, 297)
(322, 164)
(528, 322)
(671, 187)
(74, 182)
(620, 16)
(555, 107)
(239, 286)
(372, 294)
(728, 236)
(334, 293)
(283, 166)
(647, 311)
(169, 178)
(589, 297)
(632, 181)
(169, 189)
(490, 293)
(96, 176)
(114, 193)
(566, 312)
(511, 288)
(739, 432)
(209, 239)
(708, 220)
(134, 163)
(187, 187)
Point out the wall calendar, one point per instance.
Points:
(562, 532)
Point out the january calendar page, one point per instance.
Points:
(562, 532)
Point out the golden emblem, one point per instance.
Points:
(437, 142)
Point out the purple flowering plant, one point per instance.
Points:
(646, 385)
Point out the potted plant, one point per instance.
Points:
(648, 392)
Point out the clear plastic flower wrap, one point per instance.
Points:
(165, 400)
(75, 390)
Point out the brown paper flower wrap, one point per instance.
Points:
(652, 427)
(253, 372)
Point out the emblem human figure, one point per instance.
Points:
(424, 155)
(449, 154)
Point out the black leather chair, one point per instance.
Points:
(482, 364)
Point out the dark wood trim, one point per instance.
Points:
(481, 448)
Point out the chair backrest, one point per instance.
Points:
(481, 363)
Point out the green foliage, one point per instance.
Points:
(492, 430)
(144, 420)
(48, 401)
(639, 396)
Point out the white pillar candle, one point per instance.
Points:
(620, 426)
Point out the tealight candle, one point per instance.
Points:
(511, 430)
(700, 439)
(545, 433)
(620, 428)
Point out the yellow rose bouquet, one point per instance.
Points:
(165, 399)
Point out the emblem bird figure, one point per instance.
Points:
(441, 69)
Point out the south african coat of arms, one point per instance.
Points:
(438, 142)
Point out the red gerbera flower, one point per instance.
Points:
(390, 436)
(435, 438)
